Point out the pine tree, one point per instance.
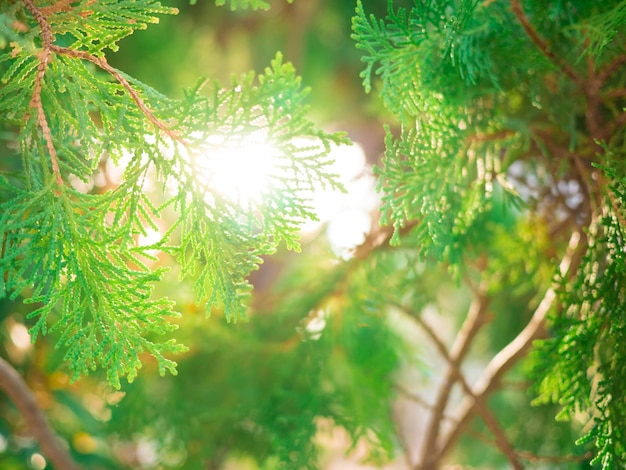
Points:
(502, 186)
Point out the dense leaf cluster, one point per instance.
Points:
(75, 247)
(515, 101)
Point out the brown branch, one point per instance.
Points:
(515, 350)
(104, 65)
(23, 398)
(616, 93)
(543, 45)
(612, 67)
(530, 456)
(473, 322)
(488, 417)
(44, 57)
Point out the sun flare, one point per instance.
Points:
(240, 171)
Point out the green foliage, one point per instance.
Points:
(310, 362)
(505, 135)
(79, 253)
(603, 28)
(484, 96)
(584, 360)
(436, 169)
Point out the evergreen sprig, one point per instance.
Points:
(73, 248)
(442, 167)
(584, 360)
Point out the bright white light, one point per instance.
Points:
(347, 230)
(316, 325)
(349, 165)
(147, 452)
(241, 171)
(37, 461)
(20, 336)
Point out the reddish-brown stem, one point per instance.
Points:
(35, 102)
(612, 67)
(543, 45)
(416, 398)
(104, 65)
(19, 393)
(616, 93)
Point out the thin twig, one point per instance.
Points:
(416, 398)
(531, 457)
(104, 65)
(612, 67)
(615, 93)
(542, 45)
(473, 322)
(488, 417)
(515, 350)
(23, 398)
(44, 57)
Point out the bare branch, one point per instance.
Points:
(473, 322)
(488, 417)
(19, 393)
(542, 45)
(515, 350)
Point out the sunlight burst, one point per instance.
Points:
(241, 171)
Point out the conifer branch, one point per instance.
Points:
(475, 319)
(543, 45)
(46, 38)
(515, 350)
(19, 393)
(104, 65)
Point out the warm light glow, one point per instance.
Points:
(20, 336)
(37, 461)
(350, 167)
(347, 230)
(241, 171)
(244, 169)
